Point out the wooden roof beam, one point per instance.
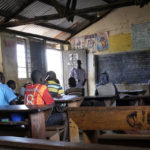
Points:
(47, 25)
(35, 35)
(107, 1)
(87, 17)
(61, 9)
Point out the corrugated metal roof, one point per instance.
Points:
(10, 6)
(37, 9)
(64, 22)
(35, 29)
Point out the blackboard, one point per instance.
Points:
(129, 67)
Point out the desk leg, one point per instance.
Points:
(73, 131)
(38, 128)
(90, 136)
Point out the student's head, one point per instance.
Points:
(36, 76)
(79, 63)
(11, 84)
(51, 75)
(27, 83)
(2, 78)
(72, 82)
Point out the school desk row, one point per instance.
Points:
(84, 118)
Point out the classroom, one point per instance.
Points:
(75, 74)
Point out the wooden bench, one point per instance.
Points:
(16, 143)
(91, 119)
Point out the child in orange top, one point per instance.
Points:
(37, 93)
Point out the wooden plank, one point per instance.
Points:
(24, 108)
(27, 143)
(109, 118)
(35, 35)
(38, 129)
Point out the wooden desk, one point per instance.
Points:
(131, 92)
(141, 99)
(71, 100)
(91, 119)
(36, 116)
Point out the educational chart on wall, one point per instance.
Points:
(79, 43)
(90, 42)
(141, 35)
(93, 43)
(102, 41)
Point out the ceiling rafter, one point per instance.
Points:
(87, 24)
(61, 9)
(35, 35)
(47, 25)
(87, 17)
(107, 1)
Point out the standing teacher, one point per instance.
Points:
(80, 75)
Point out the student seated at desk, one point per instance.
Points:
(106, 89)
(73, 90)
(54, 87)
(7, 96)
(38, 94)
(12, 85)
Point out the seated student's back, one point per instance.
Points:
(73, 90)
(53, 85)
(7, 96)
(106, 90)
(37, 93)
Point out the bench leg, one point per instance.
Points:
(38, 128)
(90, 136)
(73, 131)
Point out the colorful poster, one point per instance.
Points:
(90, 42)
(102, 41)
(79, 43)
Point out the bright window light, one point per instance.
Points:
(54, 63)
(21, 60)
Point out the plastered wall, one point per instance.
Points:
(8, 50)
(117, 23)
(8, 59)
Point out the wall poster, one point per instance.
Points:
(102, 41)
(90, 42)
